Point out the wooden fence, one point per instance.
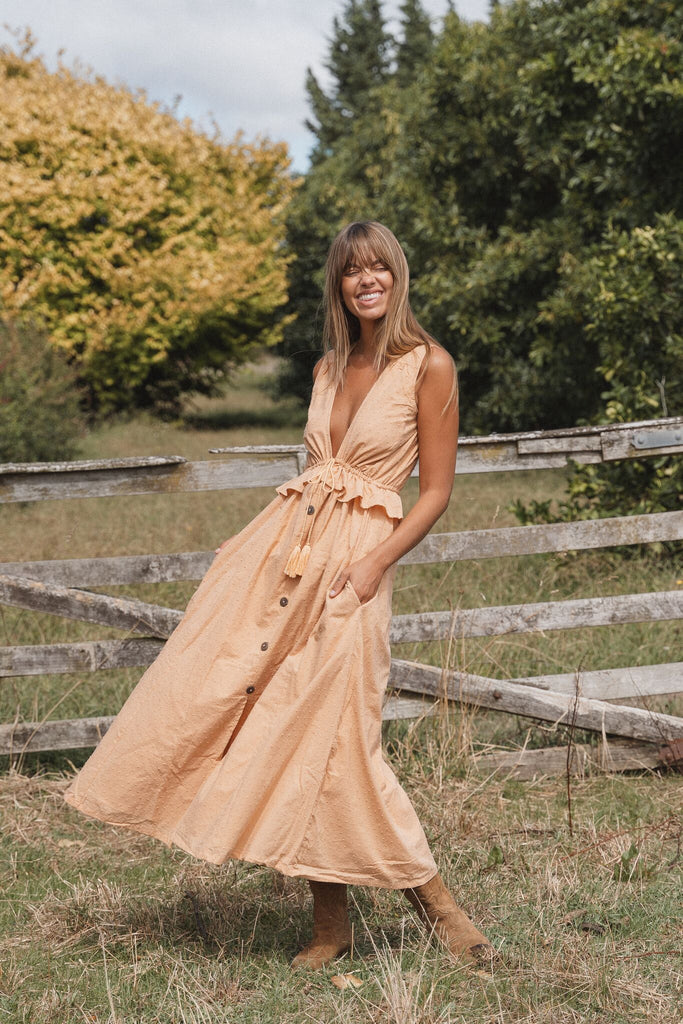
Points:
(586, 700)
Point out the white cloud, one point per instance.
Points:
(243, 63)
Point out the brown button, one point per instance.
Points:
(284, 602)
(264, 645)
(310, 510)
(250, 689)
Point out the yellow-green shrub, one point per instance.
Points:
(150, 251)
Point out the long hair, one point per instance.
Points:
(362, 244)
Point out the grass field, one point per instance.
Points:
(100, 925)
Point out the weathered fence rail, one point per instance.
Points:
(436, 547)
(268, 465)
(586, 699)
(463, 623)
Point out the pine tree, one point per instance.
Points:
(359, 62)
(416, 44)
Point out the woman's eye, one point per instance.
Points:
(374, 267)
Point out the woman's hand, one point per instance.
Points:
(365, 576)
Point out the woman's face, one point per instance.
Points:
(366, 291)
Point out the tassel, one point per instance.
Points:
(302, 560)
(298, 560)
(292, 562)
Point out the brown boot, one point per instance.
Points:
(440, 913)
(331, 926)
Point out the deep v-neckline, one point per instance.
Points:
(358, 410)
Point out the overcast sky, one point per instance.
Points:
(242, 62)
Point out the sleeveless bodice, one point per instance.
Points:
(379, 450)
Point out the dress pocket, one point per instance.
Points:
(343, 604)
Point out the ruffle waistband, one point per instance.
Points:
(348, 483)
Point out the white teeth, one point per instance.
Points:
(369, 295)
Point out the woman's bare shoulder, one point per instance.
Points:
(440, 366)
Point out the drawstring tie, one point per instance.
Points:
(324, 482)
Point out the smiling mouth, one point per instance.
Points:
(369, 296)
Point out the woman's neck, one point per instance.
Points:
(366, 345)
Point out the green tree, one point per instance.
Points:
(358, 62)
(39, 402)
(629, 294)
(415, 44)
(348, 124)
(354, 167)
(540, 132)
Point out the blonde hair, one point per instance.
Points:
(362, 244)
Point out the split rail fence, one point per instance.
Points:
(587, 700)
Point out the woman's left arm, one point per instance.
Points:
(437, 435)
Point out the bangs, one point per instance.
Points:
(364, 247)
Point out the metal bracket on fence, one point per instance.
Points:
(657, 438)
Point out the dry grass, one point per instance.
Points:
(101, 925)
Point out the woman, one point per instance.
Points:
(256, 734)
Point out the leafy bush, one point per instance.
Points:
(151, 252)
(39, 412)
(628, 295)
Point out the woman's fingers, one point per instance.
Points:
(362, 578)
(339, 584)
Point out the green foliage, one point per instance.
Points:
(530, 168)
(515, 152)
(544, 133)
(356, 126)
(39, 415)
(416, 43)
(495, 858)
(628, 296)
(358, 61)
(630, 866)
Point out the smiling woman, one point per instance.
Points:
(367, 290)
(366, 297)
(256, 734)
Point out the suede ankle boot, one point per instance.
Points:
(331, 926)
(439, 912)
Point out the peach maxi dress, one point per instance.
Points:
(256, 733)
